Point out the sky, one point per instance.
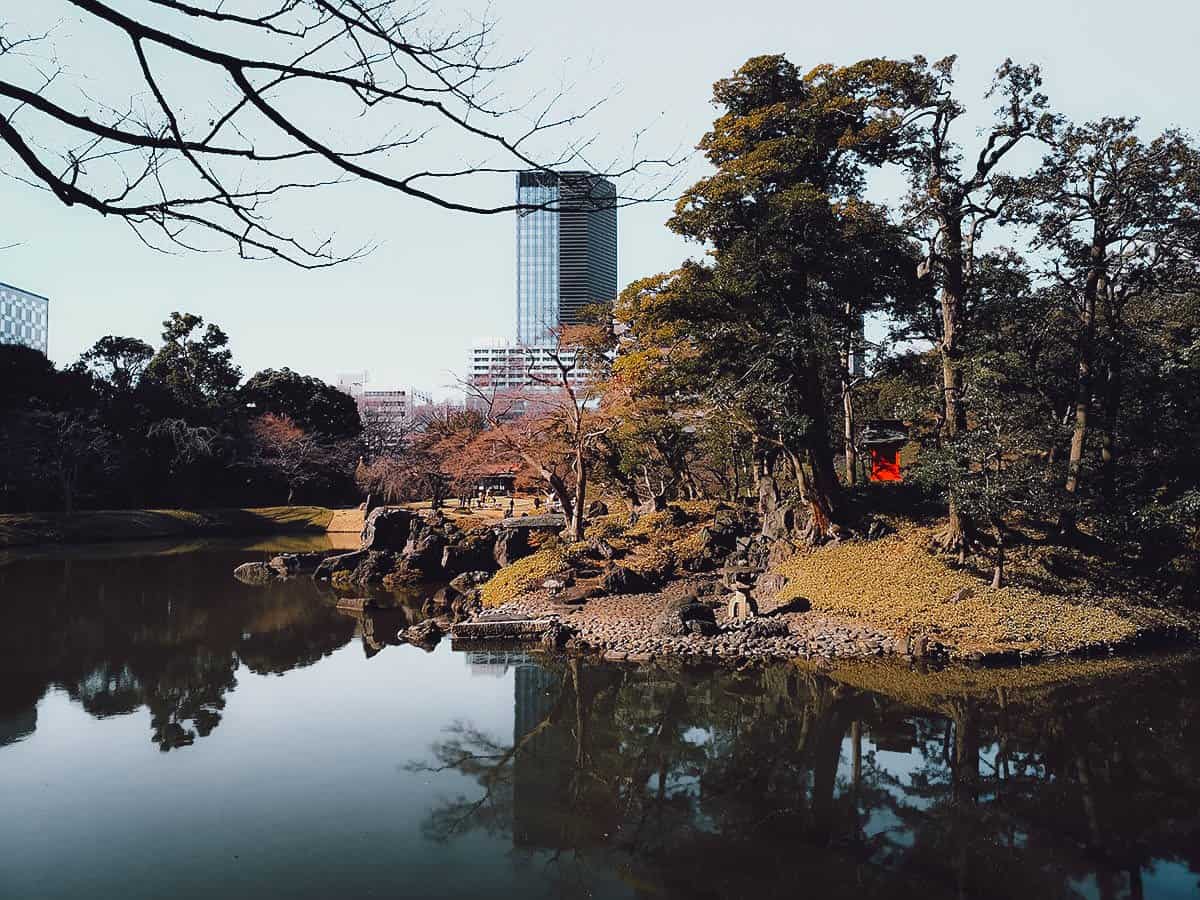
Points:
(437, 281)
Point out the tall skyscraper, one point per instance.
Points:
(24, 318)
(566, 252)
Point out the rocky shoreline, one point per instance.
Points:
(645, 627)
(601, 597)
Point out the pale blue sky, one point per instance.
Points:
(439, 280)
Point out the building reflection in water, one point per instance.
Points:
(876, 782)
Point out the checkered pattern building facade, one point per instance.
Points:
(24, 318)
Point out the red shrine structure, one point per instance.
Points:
(884, 439)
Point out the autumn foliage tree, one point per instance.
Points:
(552, 423)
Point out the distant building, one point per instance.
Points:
(566, 262)
(389, 403)
(504, 366)
(566, 251)
(24, 318)
(388, 415)
(392, 406)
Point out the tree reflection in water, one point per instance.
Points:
(699, 783)
(165, 631)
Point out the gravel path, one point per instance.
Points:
(622, 627)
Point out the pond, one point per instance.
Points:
(168, 732)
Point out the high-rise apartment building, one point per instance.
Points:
(391, 403)
(566, 250)
(24, 318)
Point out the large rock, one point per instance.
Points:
(425, 548)
(471, 552)
(620, 580)
(599, 548)
(777, 515)
(375, 566)
(686, 616)
(289, 565)
(511, 544)
(254, 573)
(343, 562)
(715, 546)
(768, 585)
(424, 634)
(387, 528)
(468, 580)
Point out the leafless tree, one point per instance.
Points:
(552, 421)
(60, 449)
(293, 80)
(385, 432)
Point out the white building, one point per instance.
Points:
(24, 318)
(506, 366)
(392, 406)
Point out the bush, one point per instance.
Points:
(514, 580)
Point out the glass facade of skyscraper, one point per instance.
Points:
(566, 251)
(24, 318)
(537, 257)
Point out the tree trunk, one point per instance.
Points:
(1083, 384)
(820, 525)
(848, 404)
(558, 488)
(998, 568)
(822, 493)
(956, 535)
(1112, 414)
(575, 524)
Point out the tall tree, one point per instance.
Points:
(118, 362)
(1119, 216)
(194, 364)
(311, 403)
(953, 198)
(552, 423)
(287, 448)
(796, 257)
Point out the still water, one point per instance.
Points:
(168, 732)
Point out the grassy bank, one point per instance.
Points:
(898, 586)
(93, 526)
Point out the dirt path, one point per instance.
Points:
(346, 521)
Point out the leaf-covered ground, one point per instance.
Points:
(896, 584)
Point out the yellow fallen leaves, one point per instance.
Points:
(896, 585)
(523, 575)
(605, 526)
(649, 523)
(689, 548)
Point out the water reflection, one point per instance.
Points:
(164, 630)
(535, 775)
(707, 784)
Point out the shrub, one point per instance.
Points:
(514, 580)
